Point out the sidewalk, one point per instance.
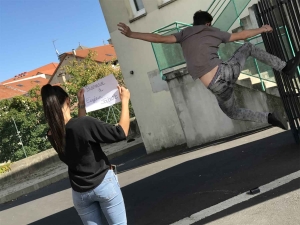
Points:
(55, 172)
(183, 182)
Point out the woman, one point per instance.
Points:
(77, 142)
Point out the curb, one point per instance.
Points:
(57, 177)
(34, 187)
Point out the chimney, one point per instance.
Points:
(74, 52)
(60, 57)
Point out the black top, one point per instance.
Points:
(87, 163)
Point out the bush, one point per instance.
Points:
(5, 168)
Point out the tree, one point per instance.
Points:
(27, 111)
(29, 118)
(86, 71)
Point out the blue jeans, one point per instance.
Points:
(106, 197)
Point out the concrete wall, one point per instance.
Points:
(153, 105)
(44, 159)
(201, 118)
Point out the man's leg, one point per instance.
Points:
(223, 90)
(249, 49)
(229, 106)
(238, 60)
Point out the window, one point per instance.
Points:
(162, 3)
(20, 85)
(137, 7)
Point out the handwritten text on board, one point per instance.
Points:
(101, 94)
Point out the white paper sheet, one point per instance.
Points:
(101, 94)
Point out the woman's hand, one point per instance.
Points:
(80, 97)
(124, 94)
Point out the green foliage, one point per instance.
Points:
(28, 116)
(5, 168)
(27, 111)
(86, 71)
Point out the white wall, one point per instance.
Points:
(202, 119)
(157, 118)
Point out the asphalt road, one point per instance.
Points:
(165, 187)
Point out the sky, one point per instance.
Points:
(28, 27)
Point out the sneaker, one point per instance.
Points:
(277, 120)
(291, 65)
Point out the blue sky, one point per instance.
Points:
(27, 28)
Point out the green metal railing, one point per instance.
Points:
(170, 55)
(258, 69)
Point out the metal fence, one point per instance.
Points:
(284, 13)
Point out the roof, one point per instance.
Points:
(46, 69)
(6, 92)
(81, 47)
(48, 72)
(27, 85)
(104, 53)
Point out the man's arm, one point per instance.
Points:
(81, 103)
(155, 38)
(250, 33)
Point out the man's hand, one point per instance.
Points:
(125, 30)
(80, 96)
(267, 28)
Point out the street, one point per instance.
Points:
(169, 186)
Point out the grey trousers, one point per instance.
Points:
(228, 72)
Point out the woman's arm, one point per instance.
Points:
(101, 132)
(81, 103)
(124, 119)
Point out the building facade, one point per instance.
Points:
(158, 118)
(104, 54)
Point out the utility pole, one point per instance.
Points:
(18, 134)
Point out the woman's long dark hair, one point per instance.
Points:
(53, 98)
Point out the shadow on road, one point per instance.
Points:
(48, 190)
(189, 187)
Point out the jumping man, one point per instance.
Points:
(200, 45)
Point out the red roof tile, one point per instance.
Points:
(26, 85)
(104, 53)
(49, 68)
(6, 92)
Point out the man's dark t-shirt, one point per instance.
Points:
(200, 46)
(87, 163)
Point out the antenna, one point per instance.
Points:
(56, 51)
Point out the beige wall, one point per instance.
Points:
(155, 112)
(60, 79)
